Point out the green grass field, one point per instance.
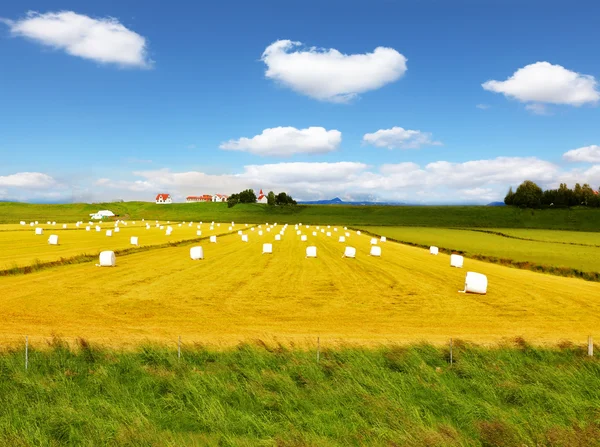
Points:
(248, 396)
(550, 248)
(578, 219)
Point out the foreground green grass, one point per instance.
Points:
(567, 250)
(579, 219)
(255, 395)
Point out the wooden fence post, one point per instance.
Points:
(451, 360)
(590, 346)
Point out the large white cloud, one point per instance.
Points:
(103, 40)
(399, 138)
(543, 82)
(285, 141)
(329, 75)
(27, 180)
(588, 154)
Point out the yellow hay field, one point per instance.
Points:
(20, 246)
(239, 294)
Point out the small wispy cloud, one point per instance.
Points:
(483, 106)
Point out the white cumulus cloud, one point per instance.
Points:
(588, 154)
(329, 75)
(285, 141)
(27, 180)
(543, 82)
(104, 40)
(399, 138)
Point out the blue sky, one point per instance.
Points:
(115, 99)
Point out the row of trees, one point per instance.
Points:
(248, 196)
(530, 195)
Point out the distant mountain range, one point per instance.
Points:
(338, 201)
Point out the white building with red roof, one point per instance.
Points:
(162, 199)
(261, 197)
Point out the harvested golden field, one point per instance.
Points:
(236, 293)
(21, 246)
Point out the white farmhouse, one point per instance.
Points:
(163, 199)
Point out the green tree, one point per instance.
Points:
(510, 197)
(271, 198)
(233, 200)
(247, 196)
(528, 195)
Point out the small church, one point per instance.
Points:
(261, 197)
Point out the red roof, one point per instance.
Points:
(260, 195)
(163, 196)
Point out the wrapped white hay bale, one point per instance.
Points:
(373, 241)
(347, 234)
(98, 229)
(133, 240)
(196, 253)
(64, 226)
(31, 224)
(22, 222)
(314, 233)
(198, 227)
(39, 231)
(311, 252)
(240, 232)
(213, 239)
(53, 223)
(375, 250)
(434, 250)
(211, 228)
(342, 239)
(318, 228)
(456, 261)
(179, 225)
(88, 228)
(169, 228)
(117, 230)
(269, 230)
(53, 239)
(475, 283)
(328, 226)
(383, 239)
(162, 227)
(244, 238)
(36, 222)
(232, 224)
(358, 232)
(229, 228)
(48, 223)
(107, 259)
(345, 228)
(323, 230)
(349, 252)
(168, 221)
(303, 238)
(260, 233)
(277, 237)
(108, 233)
(267, 248)
(252, 229)
(329, 234)
(198, 233)
(298, 232)
(335, 229)
(77, 224)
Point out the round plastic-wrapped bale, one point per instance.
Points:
(434, 250)
(347, 234)
(456, 261)
(133, 240)
(240, 232)
(322, 230)
(260, 233)
(277, 237)
(303, 238)
(267, 248)
(252, 229)
(107, 259)
(198, 233)
(314, 233)
(383, 239)
(229, 228)
(108, 233)
(88, 228)
(342, 239)
(329, 234)
(244, 238)
(358, 232)
(117, 230)
(311, 252)
(375, 250)
(298, 232)
(48, 223)
(98, 229)
(350, 252)
(53, 239)
(213, 239)
(64, 226)
(269, 230)
(373, 241)
(196, 253)
(475, 283)
(39, 231)
(22, 222)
